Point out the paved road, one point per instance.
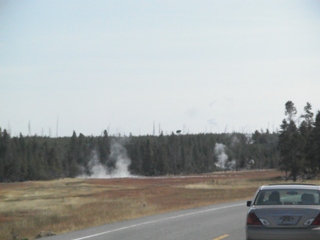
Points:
(216, 222)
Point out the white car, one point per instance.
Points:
(284, 212)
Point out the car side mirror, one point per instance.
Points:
(249, 203)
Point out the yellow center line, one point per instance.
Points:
(221, 237)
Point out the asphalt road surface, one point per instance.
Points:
(216, 222)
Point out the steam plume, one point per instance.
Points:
(222, 157)
(118, 155)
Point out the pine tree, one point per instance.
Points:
(316, 140)
(296, 151)
(147, 165)
(290, 111)
(23, 155)
(308, 117)
(31, 168)
(1, 157)
(72, 166)
(104, 148)
(290, 144)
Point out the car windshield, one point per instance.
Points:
(288, 197)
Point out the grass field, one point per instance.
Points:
(65, 205)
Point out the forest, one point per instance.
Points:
(295, 149)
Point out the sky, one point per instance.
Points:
(145, 67)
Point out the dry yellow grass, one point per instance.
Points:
(65, 205)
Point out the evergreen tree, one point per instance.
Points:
(31, 168)
(296, 151)
(104, 148)
(147, 164)
(316, 138)
(23, 156)
(290, 144)
(1, 170)
(72, 166)
(308, 116)
(1, 157)
(290, 111)
(54, 163)
(173, 151)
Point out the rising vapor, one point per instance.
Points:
(222, 158)
(118, 155)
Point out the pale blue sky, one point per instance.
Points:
(198, 66)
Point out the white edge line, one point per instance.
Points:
(159, 220)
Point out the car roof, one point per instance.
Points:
(290, 186)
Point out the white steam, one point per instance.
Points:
(219, 151)
(122, 161)
(222, 157)
(118, 155)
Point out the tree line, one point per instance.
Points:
(42, 158)
(294, 150)
(299, 142)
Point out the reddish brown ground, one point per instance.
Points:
(31, 207)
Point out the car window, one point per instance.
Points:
(287, 197)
